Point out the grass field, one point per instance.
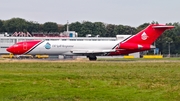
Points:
(93, 81)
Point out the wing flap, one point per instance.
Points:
(91, 51)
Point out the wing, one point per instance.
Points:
(82, 51)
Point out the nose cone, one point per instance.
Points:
(22, 47)
(15, 49)
(10, 49)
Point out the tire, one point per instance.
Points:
(92, 58)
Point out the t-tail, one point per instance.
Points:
(145, 38)
(149, 34)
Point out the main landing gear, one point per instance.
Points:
(92, 58)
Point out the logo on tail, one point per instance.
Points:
(144, 36)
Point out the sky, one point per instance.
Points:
(124, 12)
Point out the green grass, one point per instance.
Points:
(92, 81)
(136, 59)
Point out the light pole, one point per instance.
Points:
(169, 47)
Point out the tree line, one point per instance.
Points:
(83, 28)
(169, 38)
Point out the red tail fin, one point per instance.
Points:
(148, 35)
(141, 41)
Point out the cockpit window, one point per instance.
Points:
(16, 45)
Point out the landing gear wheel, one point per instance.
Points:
(92, 58)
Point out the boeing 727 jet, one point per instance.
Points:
(141, 41)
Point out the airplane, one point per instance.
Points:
(141, 41)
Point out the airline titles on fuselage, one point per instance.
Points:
(49, 46)
(62, 46)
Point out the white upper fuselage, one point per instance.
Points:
(71, 47)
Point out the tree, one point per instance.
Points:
(99, 29)
(15, 25)
(129, 30)
(87, 28)
(110, 30)
(50, 27)
(76, 26)
(33, 27)
(1, 26)
(119, 30)
(60, 28)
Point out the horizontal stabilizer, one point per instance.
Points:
(163, 26)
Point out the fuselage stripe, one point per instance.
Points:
(34, 47)
(127, 38)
